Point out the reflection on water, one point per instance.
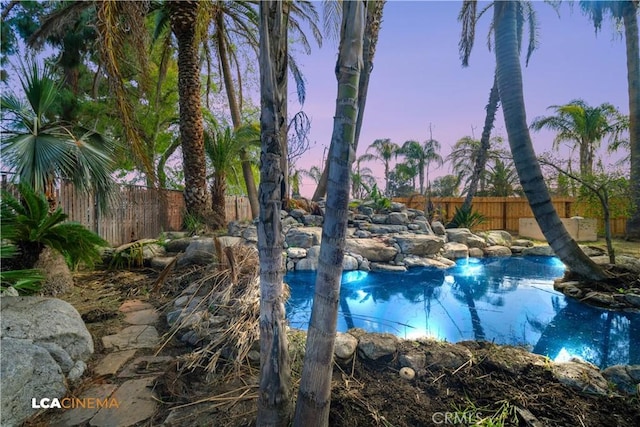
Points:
(503, 300)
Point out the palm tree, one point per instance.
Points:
(510, 89)
(384, 151)
(184, 16)
(502, 179)
(464, 160)
(222, 146)
(468, 16)
(422, 155)
(361, 178)
(42, 149)
(627, 12)
(314, 395)
(371, 31)
(273, 403)
(584, 127)
(237, 20)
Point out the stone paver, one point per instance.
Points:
(112, 362)
(142, 317)
(137, 336)
(78, 415)
(146, 365)
(134, 305)
(136, 402)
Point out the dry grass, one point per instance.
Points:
(229, 327)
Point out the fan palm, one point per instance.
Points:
(464, 158)
(42, 149)
(422, 155)
(584, 127)
(627, 12)
(222, 146)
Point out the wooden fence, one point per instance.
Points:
(503, 213)
(139, 213)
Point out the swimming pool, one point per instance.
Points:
(502, 300)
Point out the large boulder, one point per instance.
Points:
(398, 218)
(497, 251)
(199, 252)
(28, 371)
(498, 238)
(371, 249)
(303, 237)
(311, 261)
(420, 244)
(466, 237)
(43, 341)
(453, 250)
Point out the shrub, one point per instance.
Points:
(466, 218)
(30, 227)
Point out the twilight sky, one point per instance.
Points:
(418, 79)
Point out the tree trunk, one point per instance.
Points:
(314, 395)
(236, 114)
(485, 145)
(371, 32)
(274, 405)
(218, 201)
(630, 19)
(509, 75)
(183, 17)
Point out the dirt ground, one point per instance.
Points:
(493, 390)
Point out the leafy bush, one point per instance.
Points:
(24, 281)
(30, 227)
(466, 218)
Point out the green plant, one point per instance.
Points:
(192, 223)
(130, 255)
(30, 227)
(379, 201)
(466, 218)
(26, 282)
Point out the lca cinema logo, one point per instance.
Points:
(74, 402)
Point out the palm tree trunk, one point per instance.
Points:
(485, 145)
(509, 75)
(218, 200)
(183, 16)
(630, 19)
(371, 31)
(314, 395)
(236, 115)
(274, 406)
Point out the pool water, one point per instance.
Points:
(502, 300)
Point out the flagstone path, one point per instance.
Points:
(127, 379)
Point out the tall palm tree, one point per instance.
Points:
(42, 148)
(371, 31)
(236, 21)
(510, 88)
(583, 127)
(314, 396)
(422, 155)
(383, 150)
(274, 406)
(627, 12)
(468, 16)
(222, 146)
(183, 16)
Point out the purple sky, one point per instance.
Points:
(418, 79)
